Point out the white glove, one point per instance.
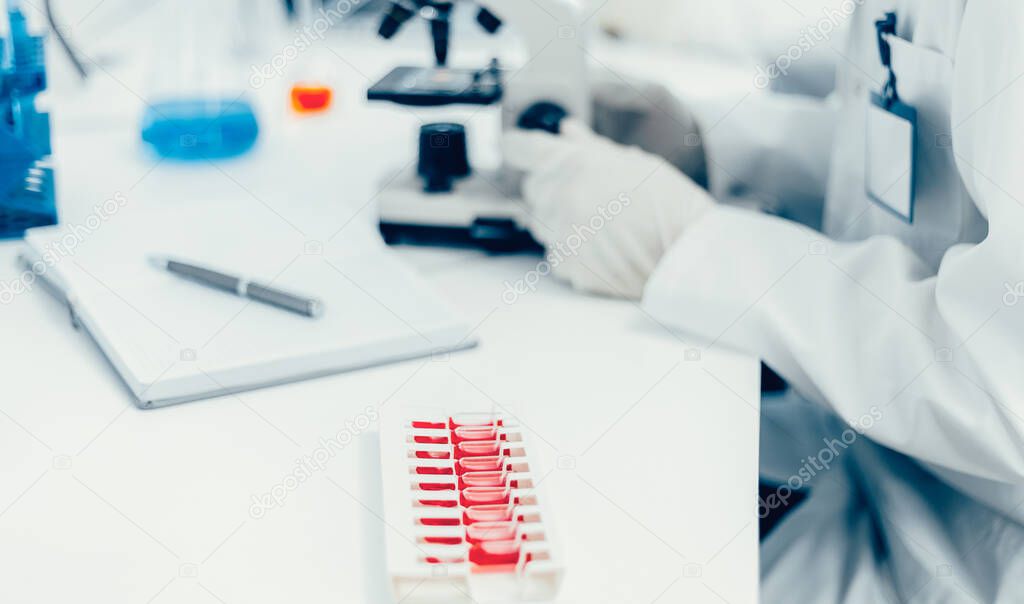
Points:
(606, 213)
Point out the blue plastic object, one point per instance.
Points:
(26, 177)
(195, 129)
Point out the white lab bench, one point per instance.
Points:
(650, 450)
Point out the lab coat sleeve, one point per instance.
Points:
(936, 361)
(771, 150)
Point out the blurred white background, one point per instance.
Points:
(742, 28)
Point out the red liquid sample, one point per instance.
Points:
(479, 464)
(439, 503)
(310, 98)
(436, 560)
(423, 425)
(431, 440)
(484, 496)
(487, 513)
(433, 454)
(476, 433)
(439, 521)
(437, 486)
(491, 531)
(434, 470)
(494, 552)
(479, 448)
(443, 540)
(483, 479)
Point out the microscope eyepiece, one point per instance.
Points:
(393, 20)
(488, 20)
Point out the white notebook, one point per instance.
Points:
(173, 340)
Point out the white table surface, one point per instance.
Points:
(652, 455)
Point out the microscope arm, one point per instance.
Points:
(554, 70)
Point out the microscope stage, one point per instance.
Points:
(434, 86)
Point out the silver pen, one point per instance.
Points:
(240, 286)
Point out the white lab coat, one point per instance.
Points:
(919, 327)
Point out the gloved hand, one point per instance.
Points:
(648, 115)
(607, 213)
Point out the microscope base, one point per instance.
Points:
(481, 211)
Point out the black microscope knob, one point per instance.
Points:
(443, 156)
(543, 115)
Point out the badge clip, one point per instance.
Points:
(886, 26)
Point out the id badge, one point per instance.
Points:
(889, 165)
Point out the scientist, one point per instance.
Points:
(900, 323)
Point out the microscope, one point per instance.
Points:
(444, 200)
